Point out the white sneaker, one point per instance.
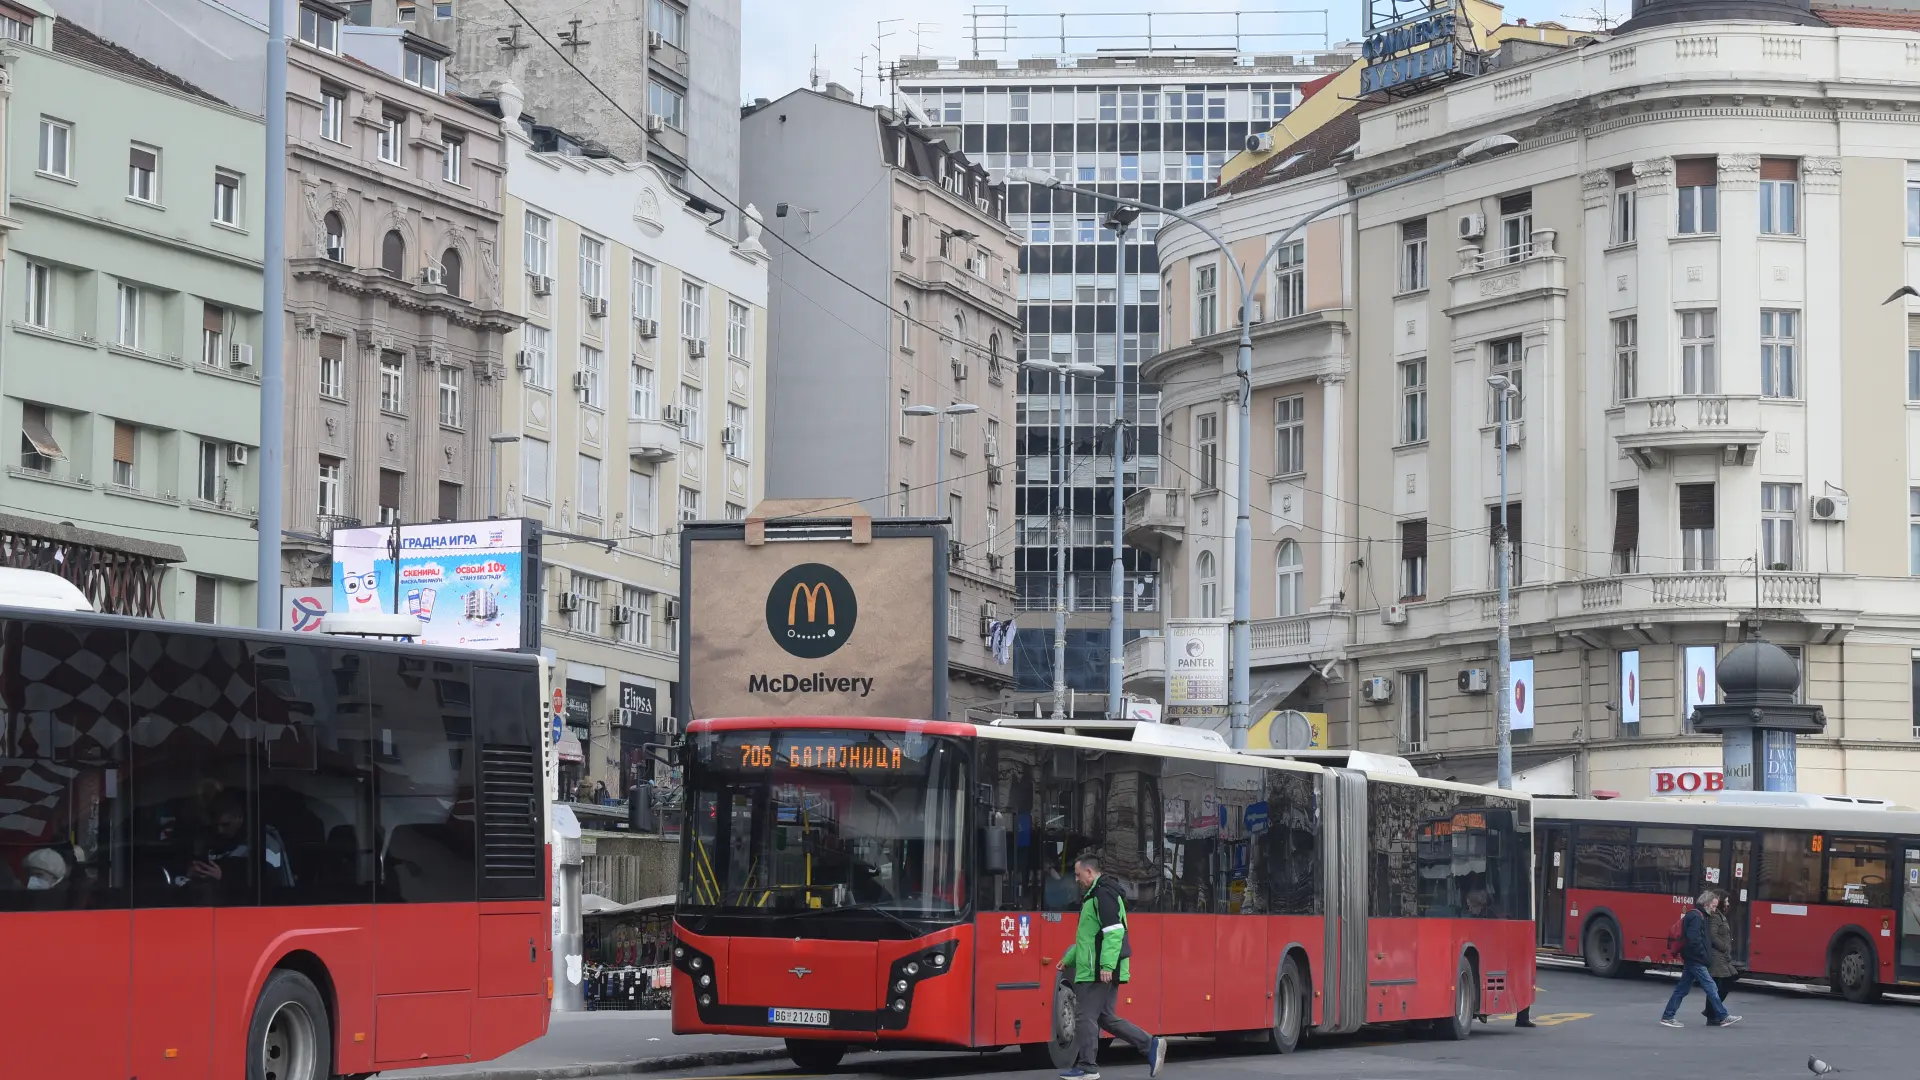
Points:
(1667, 1022)
(1731, 1019)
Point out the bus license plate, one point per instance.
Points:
(809, 1017)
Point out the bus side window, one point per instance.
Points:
(1602, 857)
(316, 782)
(1857, 872)
(422, 736)
(1789, 868)
(1289, 849)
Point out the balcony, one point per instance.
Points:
(1777, 591)
(1298, 639)
(652, 440)
(1498, 275)
(938, 273)
(1144, 670)
(1655, 428)
(1156, 519)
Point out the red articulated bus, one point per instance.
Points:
(228, 853)
(1820, 889)
(898, 884)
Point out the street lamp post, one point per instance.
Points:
(1479, 150)
(1118, 219)
(1503, 709)
(940, 459)
(1057, 526)
(494, 443)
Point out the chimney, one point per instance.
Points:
(835, 90)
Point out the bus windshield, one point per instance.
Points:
(796, 822)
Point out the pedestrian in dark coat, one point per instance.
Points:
(1720, 933)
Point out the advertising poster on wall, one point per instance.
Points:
(1701, 689)
(462, 580)
(1520, 705)
(1630, 686)
(1196, 667)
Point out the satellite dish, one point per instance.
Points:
(1290, 730)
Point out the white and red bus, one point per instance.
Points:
(228, 853)
(898, 884)
(1820, 889)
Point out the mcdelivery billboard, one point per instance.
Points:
(822, 627)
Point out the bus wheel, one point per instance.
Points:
(1853, 972)
(290, 1038)
(1602, 950)
(1466, 1002)
(1289, 1010)
(1060, 1048)
(814, 1055)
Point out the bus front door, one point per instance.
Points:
(1550, 890)
(1907, 956)
(1725, 861)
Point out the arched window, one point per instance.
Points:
(1289, 578)
(450, 271)
(1205, 571)
(906, 324)
(993, 354)
(336, 238)
(393, 254)
(957, 348)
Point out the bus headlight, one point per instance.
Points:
(697, 963)
(706, 980)
(706, 999)
(913, 969)
(900, 987)
(899, 1004)
(679, 952)
(939, 960)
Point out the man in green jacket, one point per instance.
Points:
(1100, 959)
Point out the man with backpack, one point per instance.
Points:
(1695, 947)
(1100, 959)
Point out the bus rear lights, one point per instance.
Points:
(899, 1005)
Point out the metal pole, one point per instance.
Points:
(493, 477)
(273, 325)
(940, 465)
(1116, 575)
(1060, 565)
(1504, 708)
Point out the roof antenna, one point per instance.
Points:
(813, 73)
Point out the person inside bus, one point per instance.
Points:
(222, 857)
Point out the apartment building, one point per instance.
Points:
(895, 329)
(637, 401)
(132, 242)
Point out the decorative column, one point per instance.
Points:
(1332, 483)
(1759, 725)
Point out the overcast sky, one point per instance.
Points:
(780, 35)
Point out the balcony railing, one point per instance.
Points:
(1651, 428)
(1289, 633)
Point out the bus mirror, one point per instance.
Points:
(667, 754)
(993, 849)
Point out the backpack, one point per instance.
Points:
(1677, 938)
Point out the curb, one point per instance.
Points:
(667, 1063)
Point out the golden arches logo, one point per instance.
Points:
(814, 593)
(811, 610)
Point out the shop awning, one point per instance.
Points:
(1271, 688)
(568, 749)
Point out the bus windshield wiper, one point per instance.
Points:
(873, 906)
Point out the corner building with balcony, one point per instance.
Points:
(1682, 269)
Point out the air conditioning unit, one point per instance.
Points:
(620, 615)
(994, 559)
(654, 41)
(582, 381)
(1830, 508)
(1516, 434)
(677, 415)
(569, 603)
(520, 361)
(673, 609)
(430, 275)
(240, 356)
(993, 475)
(733, 437)
(1472, 226)
(1256, 311)
(597, 306)
(993, 449)
(956, 551)
(1474, 680)
(646, 328)
(696, 348)
(959, 371)
(237, 454)
(624, 717)
(656, 123)
(1261, 143)
(668, 725)
(1394, 614)
(1377, 690)
(542, 284)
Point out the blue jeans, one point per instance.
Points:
(1689, 975)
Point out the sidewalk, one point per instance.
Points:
(607, 1044)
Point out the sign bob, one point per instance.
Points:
(1685, 780)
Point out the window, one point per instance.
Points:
(1624, 205)
(39, 295)
(336, 238)
(213, 333)
(1413, 401)
(1289, 596)
(329, 505)
(450, 380)
(1697, 180)
(207, 488)
(333, 366)
(1516, 564)
(1516, 226)
(689, 505)
(56, 147)
(1413, 561)
(126, 439)
(1697, 551)
(693, 311)
(906, 419)
(1206, 442)
(1602, 857)
(443, 9)
(407, 13)
(593, 372)
(956, 615)
(590, 498)
(16, 30)
(1290, 286)
(1206, 301)
(1663, 861)
(956, 519)
(906, 326)
(449, 501)
(393, 253)
(226, 197)
(1626, 359)
(646, 403)
(906, 235)
(640, 502)
(1857, 872)
(1699, 368)
(1913, 531)
(452, 149)
(667, 20)
(206, 599)
(1505, 357)
(593, 267)
(1779, 354)
(143, 173)
(739, 330)
(668, 104)
(389, 496)
(390, 138)
(1290, 436)
(739, 439)
(906, 495)
(585, 590)
(127, 332)
(1779, 196)
(393, 371)
(333, 115)
(537, 244)
(38, 450)
(1780, 526)
(537, 342)
(536, 460)
(423, 71)
(320, 30)
(693, 425)
(1626, 531)
(1413, 255)
(1913, 198)
(638, 629)
(1413, 710)
(1913, 358)
(1206, 573)
(646, 290)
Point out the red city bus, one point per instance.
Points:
(898, 884)
(228, 853)
(1820, 889)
